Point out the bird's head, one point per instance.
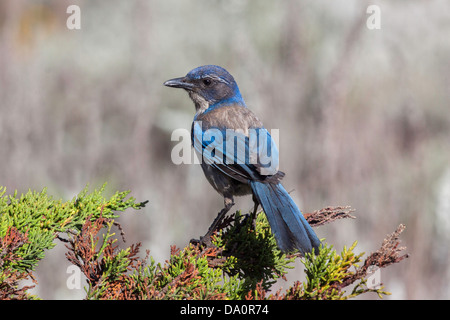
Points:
(209, 86)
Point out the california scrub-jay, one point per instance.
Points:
(239, 170)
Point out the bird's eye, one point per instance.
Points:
(207, 82)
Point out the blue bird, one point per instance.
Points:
(223, 120)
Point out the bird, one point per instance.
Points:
(238, 171)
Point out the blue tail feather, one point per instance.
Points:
(290, 228)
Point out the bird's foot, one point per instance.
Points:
(203, 241)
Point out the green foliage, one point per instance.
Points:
(253, 255)
(189, 275)
(326, 269)
(41, 219)
(30, 223)
(120, 274)
(241, 263)
(327, 272)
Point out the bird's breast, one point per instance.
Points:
(234, 117)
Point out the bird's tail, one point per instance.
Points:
(290, 228)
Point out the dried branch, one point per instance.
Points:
(328, 214)
(11, 278)
(388, 254)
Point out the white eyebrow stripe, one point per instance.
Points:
(214, 77)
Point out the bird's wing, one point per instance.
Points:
(243, 156)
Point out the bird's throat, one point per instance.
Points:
(201, 105)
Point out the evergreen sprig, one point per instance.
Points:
(30, 223)
(242, 263)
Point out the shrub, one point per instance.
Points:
(241, 263)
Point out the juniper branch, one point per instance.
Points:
(328, 214)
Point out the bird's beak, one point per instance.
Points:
(179, 83)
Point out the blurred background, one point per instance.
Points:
(363, 115)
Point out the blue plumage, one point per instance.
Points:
(288, 225)
(239, 156)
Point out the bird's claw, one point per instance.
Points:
(203, 241)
